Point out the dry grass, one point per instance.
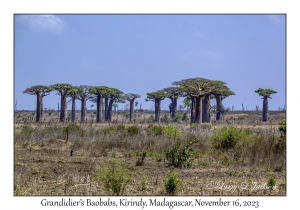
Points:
(43, 163)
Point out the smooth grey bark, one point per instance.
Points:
(219, 106)
(199, 109)
(157, 110)
(38, 107)
(83, 109)
(193, 109)
(174, 106)
(73, 109)
(106, 107)
(265, 109)
(99, 108)
(109, 110)
(131, 110)
(63, 99)
(206, 109)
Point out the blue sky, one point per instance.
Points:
(145, 53)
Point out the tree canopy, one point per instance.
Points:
(265, 92)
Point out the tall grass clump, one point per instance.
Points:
(114, 176)
(171, 183)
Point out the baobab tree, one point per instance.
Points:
(196, 88)
(157, 97)
(173, 94)
(220, 95)
(98, 91)
(131, 97)
(83, 95)
(40, 91)
(63, 90)
(265, 93)
(115, 95)
(73, 94)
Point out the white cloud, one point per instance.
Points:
(48, 23)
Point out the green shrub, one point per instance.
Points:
(114, 176)
(282, 128)
(106, 131)
(156, 130)
(176, 118)
(227, 138)
(26, 130)
(271, 182)
(205, 126)
(171, 183)
(133, 130)
(171, 132)
(180, 157)
(71, 127)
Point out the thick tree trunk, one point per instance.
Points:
(105, 107)
(174, 105)
(38, 107)
(62, 107)
(206, 109)
(83, 109)
(219, 106)
(199, 109)
(109, 109)
(73, 109)
(41, 107)
(157, 110)
(131, 110)
(193, 109)
(265, 109)
(99, 108)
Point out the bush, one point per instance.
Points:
(114, 176)
(133, 130)
(180, 157)
(171, 132)
(205, 126)
(176, 118)
(157, 130)
(227, 138)
(171, 183)
(282, 128)
(271, 182)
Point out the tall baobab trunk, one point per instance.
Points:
(62, 107)
(199, 109)
(193, 109)
(99, 108)
(265, 109)
(157, 110)
(109, 110)
(73, 109)
(219, 106)
(83, 109)
(106, 107)
(206, 109)
(131, 110)
(41, 109)
(174, 106)
(38, 107)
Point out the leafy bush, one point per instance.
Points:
(114, 176)
(26, 130)
(133, 130)
(282, 128)
(180, 157)
(176, 118)
(106, 131)
(171, 183)
(168, 131)
(271, 182)
(227, 138)
(205, 126)
(157, 130)
(71, 127)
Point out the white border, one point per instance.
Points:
(9, 8)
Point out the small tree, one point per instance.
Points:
(265, 93)
(40, 91)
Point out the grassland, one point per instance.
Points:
(52, 158)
